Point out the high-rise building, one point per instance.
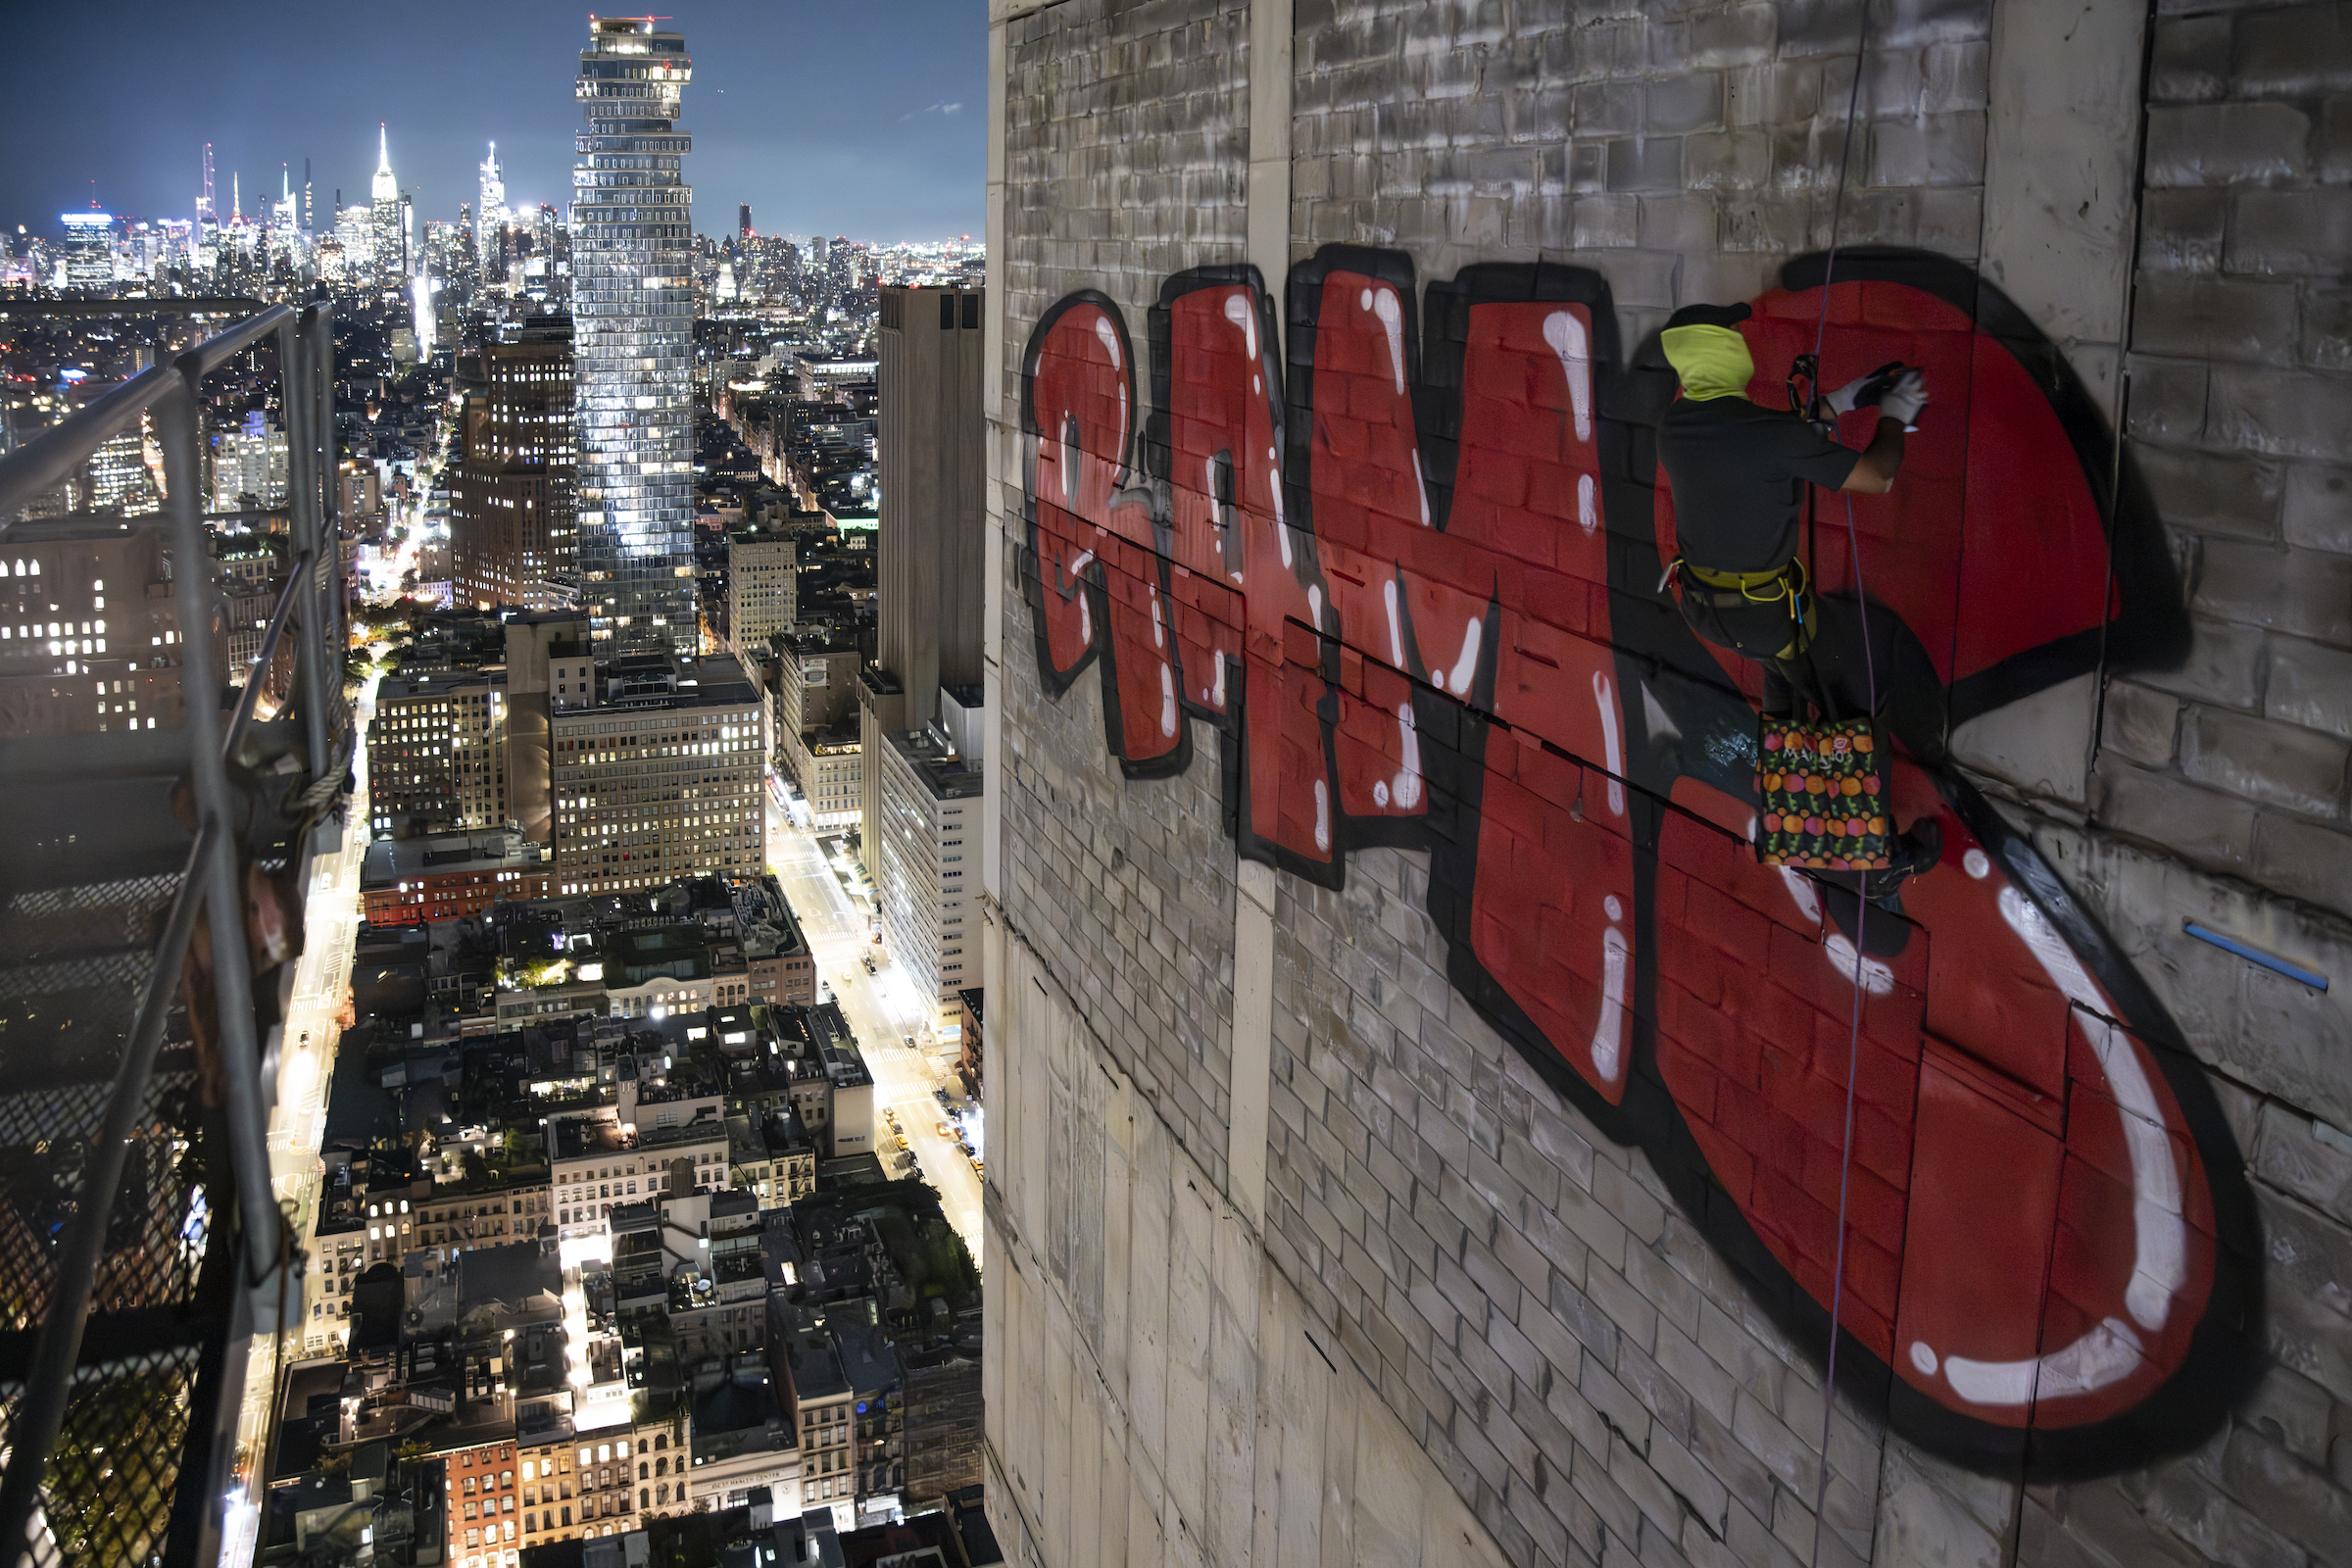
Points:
(62, 671)
(492, 214)
(928, 551)
(510, 507)
(249, 465)
(89, 250)
(437, 752)
(659, 776)
(924, 850)
(763, 585)
(633, 319)
(818, 746)
(384, 214)
(118, 477)
(743, 221)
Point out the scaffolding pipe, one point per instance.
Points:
(241, 1065)
(310, 678)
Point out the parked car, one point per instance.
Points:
(901, 1140)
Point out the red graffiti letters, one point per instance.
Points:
(1408, 570)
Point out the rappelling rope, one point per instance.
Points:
(1853, 1043)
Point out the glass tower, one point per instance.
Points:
(633, 338)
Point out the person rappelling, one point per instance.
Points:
(1739, 473)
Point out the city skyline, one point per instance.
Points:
(831, 152)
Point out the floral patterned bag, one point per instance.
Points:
(1824, 794)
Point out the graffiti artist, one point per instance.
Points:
(1739, 472)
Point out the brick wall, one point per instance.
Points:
(2239, 404)
(1513, 1309)
(1125, 135)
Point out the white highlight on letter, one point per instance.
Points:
(1466, 666)
(1569, 340)
(1392, 317)
(1612, 748)
(1877, 978)
(2161, 1266)
(1588, 513)
(1408, 777)
(1802, 894)
(1608, 1036)
(2111, 1351)
(1239, 313)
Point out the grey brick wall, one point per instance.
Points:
(1591, 1380)
(1683, 152)
(2239, 406)
(1126, 136)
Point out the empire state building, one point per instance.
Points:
(387, 230)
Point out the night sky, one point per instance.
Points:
(863, 118)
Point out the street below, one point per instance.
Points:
(883, 1011)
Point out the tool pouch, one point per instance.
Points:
(1823, 788)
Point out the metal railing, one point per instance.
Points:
(140, 1244)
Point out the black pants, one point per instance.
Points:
(1835, 667)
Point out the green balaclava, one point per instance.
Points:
(1703, 345)
(1713, 362)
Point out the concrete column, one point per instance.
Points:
(2061, 164)
(1001, 463)
(1269, 241)
(1268, 248)
(2061, 202)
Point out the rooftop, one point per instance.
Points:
(950, 774)
(393, 861)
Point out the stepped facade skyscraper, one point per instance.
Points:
(493, 212)
(388, 225)
(633, 337)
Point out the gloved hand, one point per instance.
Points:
(1904, 400)
(1863, 391)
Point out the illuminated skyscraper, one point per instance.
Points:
(387, 230)
(89, 250)
(493, 214)
(633, 324)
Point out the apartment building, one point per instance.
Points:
(437, 752)
(512, 503)
(450, 875)
(763, 584)
(924, 848)
(661, 778)
(819, 745)
(89, 636)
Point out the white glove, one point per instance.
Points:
(1904, 400)
(1842, 401)
(1863, 391)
